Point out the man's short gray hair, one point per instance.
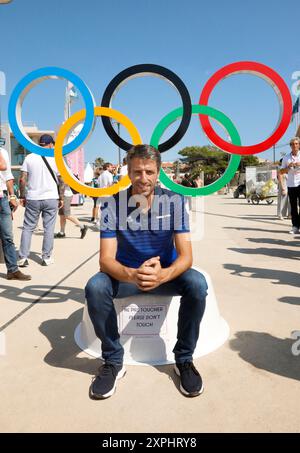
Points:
(144, 152)
(294, 139)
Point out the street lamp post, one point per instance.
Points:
(119, 149)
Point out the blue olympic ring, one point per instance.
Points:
(22, 88)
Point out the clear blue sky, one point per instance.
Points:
(97, 39)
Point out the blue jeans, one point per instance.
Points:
(101, 289)
(6, 235)
(48, 209)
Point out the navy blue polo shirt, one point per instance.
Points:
(143, 235)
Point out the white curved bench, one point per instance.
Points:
(148, 328)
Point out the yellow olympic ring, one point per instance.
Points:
(62, 133)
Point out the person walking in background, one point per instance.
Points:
(176, 179)
(95, 183)
(283, 202)
(8, 204)
(106, 177)
(186, 181)
(115, 174)
(123, 169)
(291, 167)
(197, 182)
(44, 196)
(65, 214)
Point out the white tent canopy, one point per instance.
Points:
(88, 173)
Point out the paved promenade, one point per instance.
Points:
(252, 383)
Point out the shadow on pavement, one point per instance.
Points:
(269, 353)
(277, 277)
(85, 219)
(263, 217)
(256, 229)
(42, 293)
(36, 257)
(291, 243)
(278, 252)
(169, 371)
(241, 202)
(290, 300)
(64, 352)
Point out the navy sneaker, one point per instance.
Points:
(104, 384)
(190, 380)
(83, 231)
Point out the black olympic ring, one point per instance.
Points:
(148, 69)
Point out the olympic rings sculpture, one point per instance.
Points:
(185, 112)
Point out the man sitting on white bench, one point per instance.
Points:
(145, 247)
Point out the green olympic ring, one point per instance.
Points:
(234, 159)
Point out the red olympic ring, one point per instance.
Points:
(278, 85)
